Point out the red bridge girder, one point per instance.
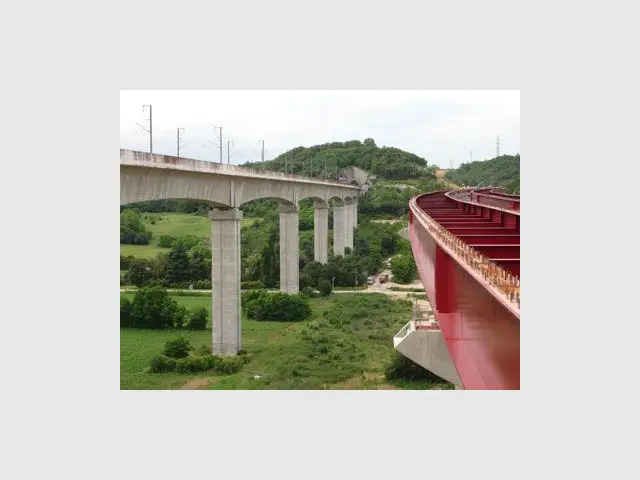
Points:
(481, 328)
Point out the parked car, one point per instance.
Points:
(371, 280)
(383, 278)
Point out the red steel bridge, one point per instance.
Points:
(466, 244)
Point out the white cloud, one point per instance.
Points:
(437, 125)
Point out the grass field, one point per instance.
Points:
(345, 345)
(175, 224)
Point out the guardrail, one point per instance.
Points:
(145, 159)
(488, 200)
(404, 331)
(504, 283)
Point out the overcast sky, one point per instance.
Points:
(440, 126)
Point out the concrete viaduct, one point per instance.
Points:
(145, 176)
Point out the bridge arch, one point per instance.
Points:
(141, 185)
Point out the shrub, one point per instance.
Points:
(139, 273)
(203, 350)
(132, 230)
(165, 241)
(153, 308)
(401, 368)
(181, 314)
(250, 300)
(307, 292)
(192, 365)
(126, 319)
(197, 319)
(224, 366)
(202, 285)
(252, 285)
(177, 348)
(325, 287)
(279, 306)
(163, 364)
(125, 261)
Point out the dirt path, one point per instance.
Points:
(199, 383)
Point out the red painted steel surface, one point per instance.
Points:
(481, 329)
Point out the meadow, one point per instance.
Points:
(346, 344)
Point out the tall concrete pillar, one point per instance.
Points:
(320, 232)
(339, 229)
(355, 214)
(289, 248)
(225, 280)
(348, 219)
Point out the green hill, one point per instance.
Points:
(502, 171)
(384, 162)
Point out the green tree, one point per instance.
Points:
(324, 286)
(153, 308)
(178, 265)
(403, 269)
(132, 230)
(139, 272)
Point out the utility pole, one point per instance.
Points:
(262, 157)
(497, 146)
(470, 156)
(220, 142)
(228, 143)
(178, 141)
(150, 130)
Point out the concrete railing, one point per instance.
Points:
(504, 285)
(152, 160)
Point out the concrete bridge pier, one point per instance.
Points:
(355, 214)
(320, 232)
(348, 227)
(339, 228)
(225, 280)
(289, 248)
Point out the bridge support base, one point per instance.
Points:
(225, 281)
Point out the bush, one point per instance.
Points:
(126, 319)
(250, 301)
(308, 292)
(203, 350)
(197, 319)
(192, 365)
(224, 366)
(165, 241)
(202, 285)
(125, 261)
(153, 308)
(177, 348)
(279, 306)
(181, 314)
(401, 368)
(132, 230)
(251, 285)
(325, 287)
(163, 364)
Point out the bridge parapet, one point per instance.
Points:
(145, 159)
(505, 202)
